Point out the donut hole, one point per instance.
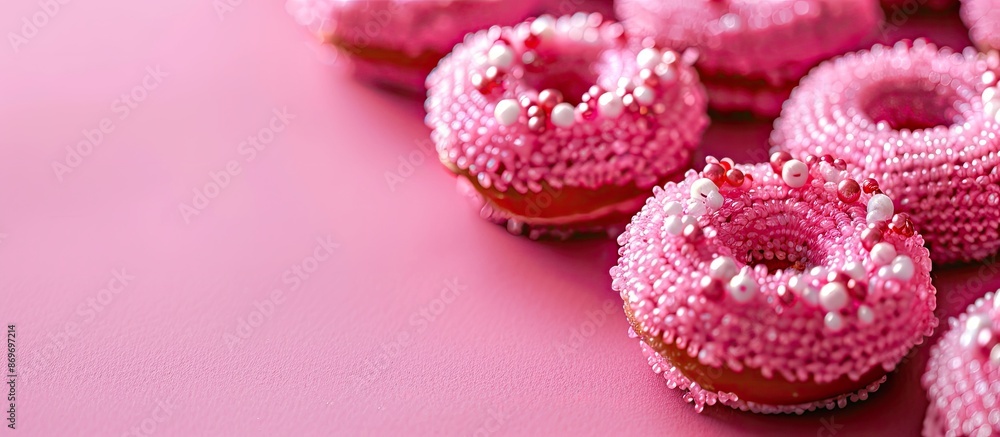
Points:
(783, 238)
(575, 68)
(911, 106)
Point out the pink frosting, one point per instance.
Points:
(963, 374)
(659, 119)
(921, 121)
(774, 41)
(982, 17)
(848, 305)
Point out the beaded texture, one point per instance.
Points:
(693, 275)
(398, 42)
(752, 53)
(963, 374)
(563, 103)
(923, 122)
(982, 17)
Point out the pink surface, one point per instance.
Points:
(532, 342)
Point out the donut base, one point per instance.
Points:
(678, 376)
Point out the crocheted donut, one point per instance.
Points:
(395, 43)
(923, 122)
(752, 52)
(982, 17)
(557, 128)
(963, 374)
(784, 293)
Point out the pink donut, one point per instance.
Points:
(753, 52)
(781, 294)
(963, 375)
(921, 121)
(395, 43)
(556, 127)
(982, 17)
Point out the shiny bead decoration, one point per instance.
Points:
(917, 119)
(963, 374)
(773, 258)
(516, 128)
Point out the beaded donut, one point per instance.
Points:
(963, 374)
(773, 288)
(921, 121)
(395, 43)
(556, 128)
(982, 17)
(753, 52)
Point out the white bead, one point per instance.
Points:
(723, 268)
(689, 220)
(702, 187)
(996, 302)
(543, 26)
(500, 56)
(811, 295)
(991, 102)
(643, 95)
(797, 284)
(866, 315)
(829, 172)
(563, 115)
(673, 225)
(879, 208)
(833, 296)
(818, 272)
(883, 253)
(742, 287)
(975, 323)
(902, 268)
(833, 322)
(610, 105)
(673, 208)
(855, 270)
(884, 272)
(995, 355)
(648, 58)
(507, 111)
(714, 200)
(696, 207)
(795, 173)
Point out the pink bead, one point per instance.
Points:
(549, 98)
(716, 173)
(778, 160)
(870, 237)
(735, 178)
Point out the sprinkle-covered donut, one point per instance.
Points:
(963, 375)
(921, 121)
(982, 17)
(395, 43)
(557, 128)
(773, 288)
(753, 52)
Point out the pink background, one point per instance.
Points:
(533, 342)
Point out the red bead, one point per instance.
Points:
(902, 225)
(849, 191)
(840, 164)
(549, 98)
(712, 288)
(727, 163)
(870, 237)
(536, 124)
(869, 185)
(531, 41)
(716, 173)
(827, 159)
(734, 177)
(778, 159)
(810, 160)
(535, 111)
(840, 277)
